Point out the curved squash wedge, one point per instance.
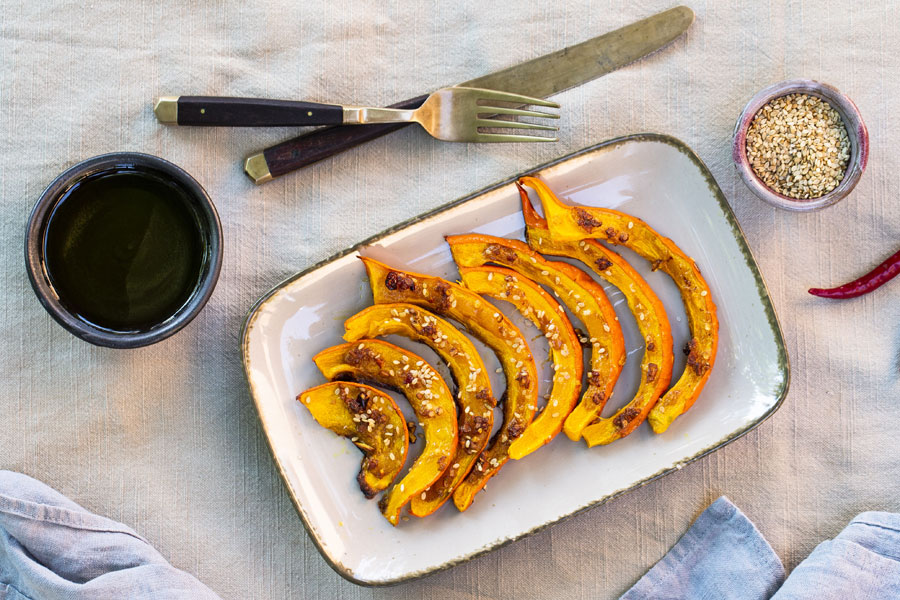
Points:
(490, 326)
(650, 315)
(565, 349)
(574, 223)
(394, 367)
(577, 291)
(475, 401)
(368, 418)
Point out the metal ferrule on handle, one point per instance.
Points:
(362, 115)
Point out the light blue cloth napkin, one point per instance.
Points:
(53, 549)
(863, 561)
(724, 556)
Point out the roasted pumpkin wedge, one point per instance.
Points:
(565, 349)
(394, 367)
(650, 315)
(368, 418)
(475, 401)
(576, 290)
(574, 223)
(497, 332)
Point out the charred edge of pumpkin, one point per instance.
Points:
(512, 286)
(687, 389)
(349, 359)
(367, 490)
(523, 382)
(371, 458)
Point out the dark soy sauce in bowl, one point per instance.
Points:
(124, 248)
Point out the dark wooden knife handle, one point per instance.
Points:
(314, 146)
(217, 111)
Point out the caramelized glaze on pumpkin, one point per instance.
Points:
(577, 290)
(652, 322)
(489, 325)
(565, 349)
(391, 366)
(368, 418)
(474, 399)
(574, 223)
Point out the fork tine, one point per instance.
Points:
(497, 110)
(498, 137)
(507, 97)
(497, 123)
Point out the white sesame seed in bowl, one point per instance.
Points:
(800, 145)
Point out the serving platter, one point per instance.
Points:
(654, 177)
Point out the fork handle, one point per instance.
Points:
(217, 111)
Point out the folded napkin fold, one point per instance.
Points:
(724, 556)
(53, 549)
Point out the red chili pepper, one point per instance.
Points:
(865, 284)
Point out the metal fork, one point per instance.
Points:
(458, 114)
(454, 114)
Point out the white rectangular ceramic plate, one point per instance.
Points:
(656, 178)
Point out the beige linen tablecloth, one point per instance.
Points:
(166, 438)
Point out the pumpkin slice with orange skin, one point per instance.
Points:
(475, 401)
(391, 366)
(565, 349)
(577, 290)
(650, 315)
(574, 223)
(368, 418)
(497, 332)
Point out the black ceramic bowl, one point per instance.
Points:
(209, 229)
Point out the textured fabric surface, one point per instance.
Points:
(165, 439)
(722, 556)
(53, 549)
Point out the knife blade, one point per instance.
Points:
(540, 77)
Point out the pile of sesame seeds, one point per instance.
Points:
(798, 146)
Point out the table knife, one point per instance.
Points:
(539, 77)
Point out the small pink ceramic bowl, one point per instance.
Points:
(856, 132)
